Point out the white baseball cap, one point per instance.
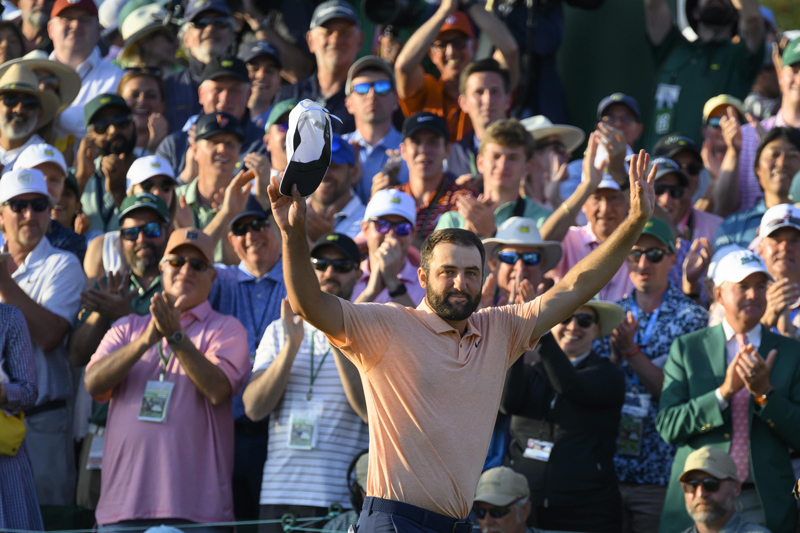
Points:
(37, 154)
(148, 167)
(391, 202)
(521, 231)
(22, 181)
(779, 216)
(608, 183)
(737, 265)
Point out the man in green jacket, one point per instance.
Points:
(734, 387)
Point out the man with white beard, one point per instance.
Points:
(23, 110)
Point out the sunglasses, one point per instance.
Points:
(28, 102)
(37, 204)
(710, 484)
(197, 265)
(584, 320)
(622, 119)
(217, 22)
(675, 191)
(654, 255)
(529, 258)
(151, 230)
(242, 228)
(401, 229)
(165, 185)
(382, 87)
(283, 127)
(459, 43)
(100, 126)
(498, 511)
(691, 168)
(342, 266)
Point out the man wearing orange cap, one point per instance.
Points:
(449, 40)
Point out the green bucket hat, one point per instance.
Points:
(791, 54)
(100, 102)
(144, 200)
(278, 110)
(661, 231)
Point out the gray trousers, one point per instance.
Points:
(52, 451)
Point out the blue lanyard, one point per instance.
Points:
(644, 338)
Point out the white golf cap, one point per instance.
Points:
(391, 202)
(38, 154)
(777, 217)
(737, 265)
(521, 231)
(718, 255)
(148, 167)
(22, 181)
(608, 183)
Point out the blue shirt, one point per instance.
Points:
(65, 239)
(261, 119)
(373, 158)
(740, 228)
(255, 302)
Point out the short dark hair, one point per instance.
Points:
(482, 65)
(790, 135)
(459, 237)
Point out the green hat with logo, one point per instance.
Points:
(100, 102)
(791, 54)
(661, 231)
(144, 200)
(278, 110)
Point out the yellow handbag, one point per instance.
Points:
(12, 433)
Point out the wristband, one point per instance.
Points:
(628, 355)
(399, 291)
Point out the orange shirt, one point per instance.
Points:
(432, 396)
(431, 98)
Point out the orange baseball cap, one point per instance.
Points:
(61, 5)
(191, 237)
(458, 21)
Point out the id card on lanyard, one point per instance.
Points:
(303, 427)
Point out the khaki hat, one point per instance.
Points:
(191, 237)
(21, 79)
(69, 83)
(541, 127)
(711, 461)
(137, 25)
(520, 231)
(720, 100)
(501, 486)
(609, 315)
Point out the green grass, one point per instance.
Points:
(787, 13)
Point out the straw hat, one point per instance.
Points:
(20, 79)
(520, 231)
(137, 25)
(68, 79)
(609, 315)
(541, 127)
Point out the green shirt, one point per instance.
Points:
(99, 205)
(452, 219)
(690, 74)
(201, 214)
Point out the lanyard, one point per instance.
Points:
(314, 375)
(141, 290)
(165, 360)
(644, 338)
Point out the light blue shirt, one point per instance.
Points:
(373, 158)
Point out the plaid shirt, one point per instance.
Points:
(447, 202)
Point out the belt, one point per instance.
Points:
(49, 406)
(423, 517)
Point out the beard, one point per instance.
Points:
(147, 264)
(38, 18)
(717, 15)
(711, 514)
(16, 126)
(449, 311)
(118, 145)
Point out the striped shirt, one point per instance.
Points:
(316, 477)
(426, 221)
(749, 187)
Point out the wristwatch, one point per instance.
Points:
(762, 400)
(176, 337)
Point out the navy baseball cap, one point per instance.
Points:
(250, 51)
(341, 151)
(333, 9)
(226, 67)
(675, 143)
(251, 209)
(218, 122)
(341, 242)
(195, 7)
(425, 120)
(619, 98)
(668, 166)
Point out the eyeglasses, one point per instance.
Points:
(342, 266)
(242, 228)
(654, 255)
(528, 258)
(37, 204)
(675, 191)
(217, 22)
(715, 122)
(622, 119)
(151, 230)
(584, 320)
(283, 127)
(100, 126)
(401, 229)
(382, 87)
(497, 511)
(165, 185)
(12, 100)
(459, 43)
(196, 264)
(710, 484)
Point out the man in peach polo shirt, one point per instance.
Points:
(429, 426)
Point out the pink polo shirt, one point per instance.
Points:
(704, 225)
(181, 468)
(408, 275)
(577, 244)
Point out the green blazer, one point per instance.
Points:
(689, 417)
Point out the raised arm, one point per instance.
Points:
(498, 34)
(320, 309)
(751, 24)
(595, 270)
(657, 20)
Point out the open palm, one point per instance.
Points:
(643, 195)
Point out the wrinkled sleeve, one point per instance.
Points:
(369, 329)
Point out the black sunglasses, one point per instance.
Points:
(382, 87)
(101, 125)
(165, 185)
(196, 264)
(401, 229)
(529, 258)
(342, 266)
(654, 255)
(710, 484)
(151, 230)
(37, 204)
(28, 102)
(217, 22)
(497, 511)
(584, 320)
(675, 191)
(242, 228)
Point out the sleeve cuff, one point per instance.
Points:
(720, 400)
